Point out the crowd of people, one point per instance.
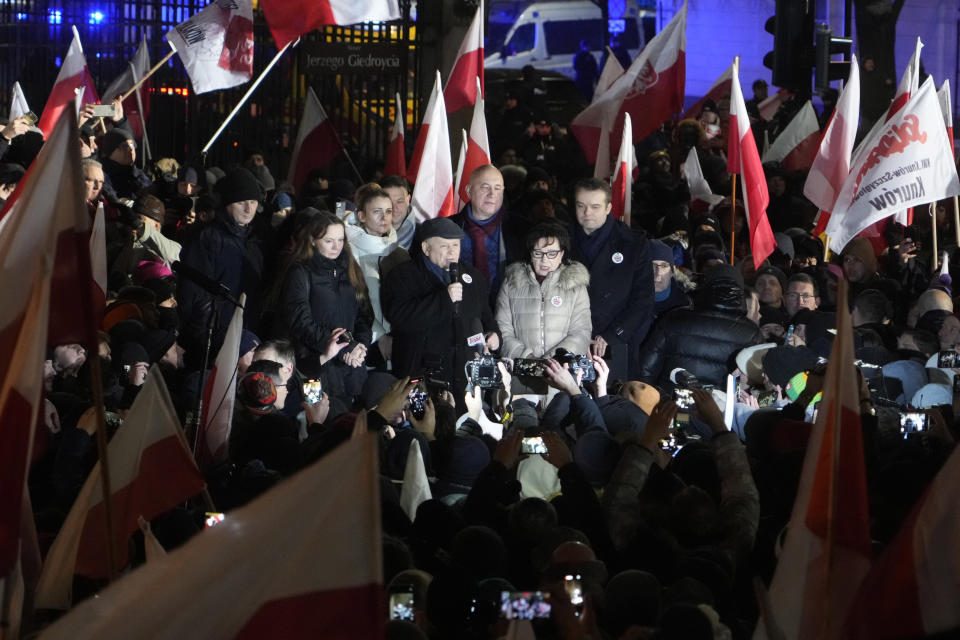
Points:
(612, 344)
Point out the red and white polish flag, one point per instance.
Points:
(612, 69)
(796, 146)
(943, 95)
(622, 182)
(433, 188)
(290, 20)
(219, 394)
(768, 107)
(137, 68)
(907, 162)
(458, 176)
(744, 159)
(18, 102)
(317, 144)
(831, 166)
(216, 45)
(914, 587)
(717, 91)
(478, 147)
(651, 90)
(396, 164)
(232, 581)
(73, 75)
(98, 262)
(151, 471)
(702, 198)
(826, 553)
(461, 91)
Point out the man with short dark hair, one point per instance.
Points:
(801, 293)
(398, 188)
(621, 276)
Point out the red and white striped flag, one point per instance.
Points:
(219, 395)
(913, 590)
(458, 176)
(290, 20)
(98, 262)
(216, 45)
(151, 471)
(622, 181)
(317, 144)
(268, 570)
(908, 162)
(796, 146)
(651, 90)
(943, 95)
(396, 164)
(73, 75)
(827, 550)
(138, 67)
(461, 91)
(18, 102)
(612, 69)
(433, 187)
(478, 147)
(832, 165)
(717, 91)
(744, 159)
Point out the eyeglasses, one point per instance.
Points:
(661, 266)
(803, 297)
(549, 255)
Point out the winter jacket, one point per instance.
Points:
(537, 318)
(368, 250)
(702, 340)
(123, 182)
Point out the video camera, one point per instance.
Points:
(533, 367)
(482, 372)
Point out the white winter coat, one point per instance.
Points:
(367, 251)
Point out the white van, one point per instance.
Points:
(547, 35)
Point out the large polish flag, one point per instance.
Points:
(290, 20)
(907, 162)
(622, 182)
(18, 102)
(743, 158)
(827, 549)
(832, 164)
(943, 95)
(136, 107)
(478, 147)
(151, 471)
(461, 91)
(913, 590)
(73, 75)
(396, 164)
(301, 561)
(717, 91)
(219, 393)
(317, 144)
(433, 187)
(651, 90)
(216, 45)
(796, 146)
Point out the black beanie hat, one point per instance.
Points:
(113, 139)
(237, 186)
(782, 363)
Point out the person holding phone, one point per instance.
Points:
(322, 289)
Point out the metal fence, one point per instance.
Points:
(34, 34)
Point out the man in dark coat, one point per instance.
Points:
(435, 321)
(621, 277)
(702, 340)
(228, 251)
(124, 181)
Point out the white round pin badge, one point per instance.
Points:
(466, 277)
(617, 258)
(556, 301)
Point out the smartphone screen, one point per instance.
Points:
(533, 444)
(524, 605)
(312, 391)
(912, 422)
(574, 589)
(401, 606)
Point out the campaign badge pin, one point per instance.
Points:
(475, 340)
(466, 277)
(617, 258)
(556, 301)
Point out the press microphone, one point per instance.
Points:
(204, 281)
(454, 271)
(684, 379)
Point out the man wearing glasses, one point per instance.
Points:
(801, 294)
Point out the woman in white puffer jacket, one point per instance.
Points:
(543, 303)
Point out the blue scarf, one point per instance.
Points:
(442, 274)
(590, 246)
(660, 296)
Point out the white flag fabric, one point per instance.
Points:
(907, 162)
(796, 146)
(18, 102)
(433, 189)
(416, 487)
(98, 251)
(216, 45)
(612, 69)
(301, 561)
(622, 181)
(459, 201)
(699, 188)
(947, 108)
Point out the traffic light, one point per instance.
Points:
(827, 70)
(792, 55)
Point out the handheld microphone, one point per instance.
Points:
(454, 271)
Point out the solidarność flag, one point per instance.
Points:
(216, 45)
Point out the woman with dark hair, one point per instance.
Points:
(323, 290)
(543, 304)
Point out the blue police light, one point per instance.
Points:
(21, 16)
(96, 17)
(55, 16)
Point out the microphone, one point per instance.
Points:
(684, 379)
(454, 271)
(204, 281)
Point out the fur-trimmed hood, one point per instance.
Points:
(568, 276)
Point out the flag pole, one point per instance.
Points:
(139, 82)
(733, 215)
(956, 219)
(933, 224)
(246, 96)
(826, 248)
(96, 387)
